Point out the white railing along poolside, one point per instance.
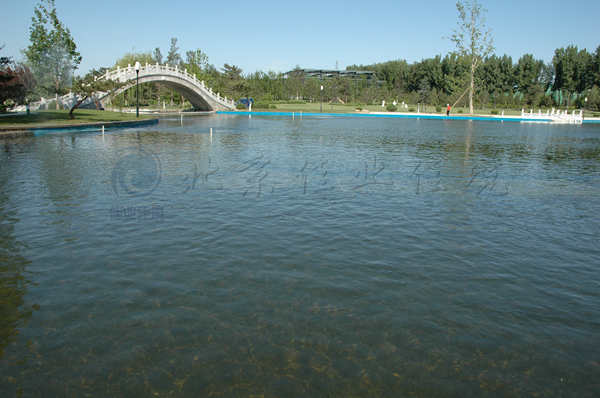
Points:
(555, 116)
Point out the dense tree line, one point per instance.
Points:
(500, 82)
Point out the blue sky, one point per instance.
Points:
(278, 35)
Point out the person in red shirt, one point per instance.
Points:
(448, 110)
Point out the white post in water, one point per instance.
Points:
(292, 115)
(102, 133)
(181, 120)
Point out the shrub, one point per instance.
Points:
(596, 114)
(359, 108)
(391, 107)
(438, 109)
(261, 105)
(411, 109)
(494, 111)
(460, 111)
(272, 106)
(240, 106)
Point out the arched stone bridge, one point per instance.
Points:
(194, 90)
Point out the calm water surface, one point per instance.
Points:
(314, 257)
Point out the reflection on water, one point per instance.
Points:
(311, 257)
(14, 278)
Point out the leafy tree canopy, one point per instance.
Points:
(52, 55)
(16, 81)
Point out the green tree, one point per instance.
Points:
(425, 91)
(454, 69)
(393, 73)
(528, 73)
(52, 55)
(196, 63)
(471, 41)
(173, 57)
(158, 56)
(570, 67)
(131, 58)
(491, 76)
(232, 82)
(87, 87)
(595, 67)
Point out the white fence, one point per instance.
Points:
(555, 116)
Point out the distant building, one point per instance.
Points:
(329, 73)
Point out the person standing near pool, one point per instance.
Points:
(448, 110)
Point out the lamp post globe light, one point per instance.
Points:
(321, 99)
(137, 88)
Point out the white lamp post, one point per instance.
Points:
(137, 88)
(321, 99)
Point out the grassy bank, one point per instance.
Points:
(343, 108)
(52, 117)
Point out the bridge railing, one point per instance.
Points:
(128, 74)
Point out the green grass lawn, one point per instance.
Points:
(62, 117)
(343, 108)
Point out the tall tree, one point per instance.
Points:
(570, 66)
(232, 82)
(173, 57)
(52, 55)
(528, 73)
(470, 39)
(158, 56)
(491, 76)
(595, 67)
(196, 62)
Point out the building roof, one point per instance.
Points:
(327, 73)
